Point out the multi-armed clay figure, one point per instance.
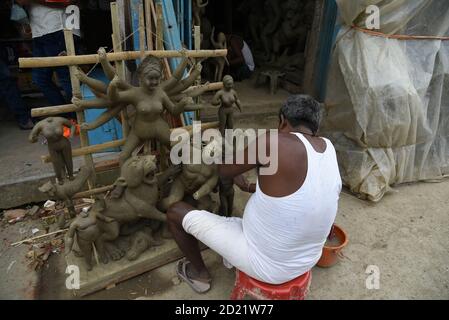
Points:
(58, 145)
(150, 100)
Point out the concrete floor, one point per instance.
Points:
(405, 236)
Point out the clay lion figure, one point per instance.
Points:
(137, 201)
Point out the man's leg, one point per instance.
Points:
(42, 77)
(186, 242)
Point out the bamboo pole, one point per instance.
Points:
(159, 27)
(142, 45)
(89, 150)
(61, 61)
(93, 192)
(197, 43)
(38, 237)
(120, 66)
(76, 89)
(149, 25)
(55, 110)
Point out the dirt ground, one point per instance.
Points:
(405, 236)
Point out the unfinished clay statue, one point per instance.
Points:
(226, 98)
(138, 201)
(150, 101)
(274, 10)
(87, 231)
(198, 9)
(66, 191)
(219, 61)
(291, 33)
(58, 146)
(195, 180)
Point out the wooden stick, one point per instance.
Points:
(92, 192)
(159, 27)
(38, 237)
(91, 149)
(55, 110)
(118, 143)
(149, 25)
(76, 89)
(197, 43)
(61, 61)
(142, 45)
(119, 65)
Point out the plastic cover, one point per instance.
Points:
(387, 101)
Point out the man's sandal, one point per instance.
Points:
(196, 285)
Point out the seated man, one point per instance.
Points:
(287, 219)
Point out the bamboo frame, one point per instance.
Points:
(62, 61)
(89, 150)
(76, 89)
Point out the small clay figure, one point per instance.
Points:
(58, 146)
(87, 232)
(150, 100)
(199, 9)
(226, 98)
(274, 10)
(219, 61)
(66, 191)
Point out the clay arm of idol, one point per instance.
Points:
(216, 101)
(69, 237)
(35, 133)
(124, 96)
(169, 84)
(206, 188)
(187, 82)
(103, 118)
(178, 108)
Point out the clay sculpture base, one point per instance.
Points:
(104, 276)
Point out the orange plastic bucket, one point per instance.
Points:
(331, 254)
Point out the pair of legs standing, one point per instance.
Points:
(52, 45)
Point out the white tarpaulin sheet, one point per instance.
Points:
(387, 103)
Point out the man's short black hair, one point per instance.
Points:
(302, 110)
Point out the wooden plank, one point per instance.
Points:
(111, 274)
(61, 61)
(76, 89)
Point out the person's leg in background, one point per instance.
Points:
(52, 45)
(11, 94)
(42, 77)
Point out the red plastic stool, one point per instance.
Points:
(297, 289)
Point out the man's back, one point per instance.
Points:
(287, 220)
